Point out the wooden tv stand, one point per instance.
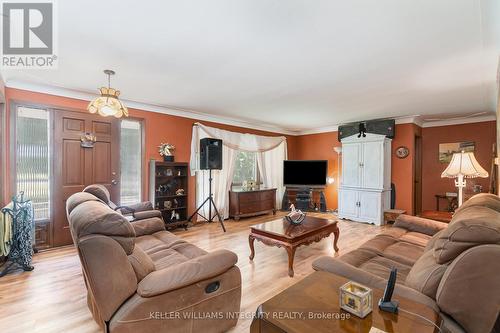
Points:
(316, 198)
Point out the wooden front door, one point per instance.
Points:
(75, 167)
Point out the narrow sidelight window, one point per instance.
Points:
(33, 159)
(131, 162)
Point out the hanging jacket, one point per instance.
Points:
(5, 232)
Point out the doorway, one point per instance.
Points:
(417, 176)
(49, 162)
(86, 151)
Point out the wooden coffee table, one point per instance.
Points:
(312, 305)
(281, 233)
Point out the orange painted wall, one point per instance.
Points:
(177, 130)
(320, 146)
(402, 170)
(157, 128)
(483, 134)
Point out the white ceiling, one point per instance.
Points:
(288, 64)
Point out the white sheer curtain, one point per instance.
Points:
(271, 169)
(271, 151)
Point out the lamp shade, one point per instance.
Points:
(464, 164)
(108, 103)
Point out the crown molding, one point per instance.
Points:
(401, 120)
(318, 130)
(179, 112)
(410, 120)
(448, 122)
(417, 120)
(201, 116)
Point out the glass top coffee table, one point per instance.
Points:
(281, 233)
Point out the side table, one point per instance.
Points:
(390, 215)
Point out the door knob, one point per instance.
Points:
(114, 182)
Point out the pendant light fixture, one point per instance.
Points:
(108, 103)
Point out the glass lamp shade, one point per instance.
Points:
(464, 164)
(108, 104)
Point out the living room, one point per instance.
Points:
(251, 166)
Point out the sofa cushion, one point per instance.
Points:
(425, 275)
(339, 267)
(94, 217)
(482, 200)
(148, 226)
(381, 266)
(166, 249)
(432, 241)
(77, 199)
(403, 252)
(416, 238)
(471, 227)
(357, 257)
(100, 191)
(394, 232)
(378, 244)
(374, 264)
(469, 291)
(419, 224)
(141, 263)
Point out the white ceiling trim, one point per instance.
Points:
(70, 93)
(448, 122)
(402, 120)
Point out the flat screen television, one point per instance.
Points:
(305, 173)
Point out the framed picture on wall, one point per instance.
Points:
(446, 150)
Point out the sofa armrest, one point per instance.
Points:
(469, 291)
(419, 224)
(148, 226)
(147, 214)
(187, 273)
(338, 267)
(141, 206)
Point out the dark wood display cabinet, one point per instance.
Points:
(168, 191)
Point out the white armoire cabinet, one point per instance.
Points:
(365, 187)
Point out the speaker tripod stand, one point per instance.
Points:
(210, 200)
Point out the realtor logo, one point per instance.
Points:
(28, 34)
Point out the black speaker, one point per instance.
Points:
(384, 127)
(381, 126)
(210, 154)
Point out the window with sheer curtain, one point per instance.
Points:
(33, 159)
(131, 162)
(245, 168)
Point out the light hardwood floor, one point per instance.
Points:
(52, 298)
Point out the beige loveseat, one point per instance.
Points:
(455, 268)
(141, 278)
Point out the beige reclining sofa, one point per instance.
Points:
(455, 268)
(142, 278)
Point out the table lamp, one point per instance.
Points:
(463, 165)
